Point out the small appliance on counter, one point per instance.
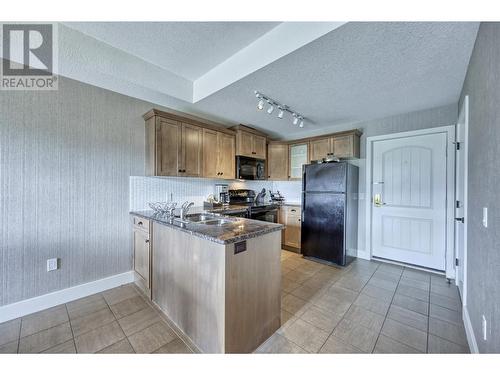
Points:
(222, 193)
(276, 197)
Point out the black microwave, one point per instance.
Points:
(250, 168)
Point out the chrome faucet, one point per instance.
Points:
(185, 209)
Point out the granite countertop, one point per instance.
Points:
(236, 229)
(286, 203)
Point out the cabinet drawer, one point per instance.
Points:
(141, 223)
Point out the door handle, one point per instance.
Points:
(461, 219)
(377, 200)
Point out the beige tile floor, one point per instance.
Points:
(119, 320)
(367, 307)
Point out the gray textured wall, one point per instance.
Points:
(428, 118)
(66, 157)
(482, 84)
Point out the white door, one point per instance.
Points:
(409, 200)
(461, 198)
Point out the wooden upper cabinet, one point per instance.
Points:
(277, 161)
(210, 153)
(181, 146)
(320, 148)
(245, 144)
(250, 142)
(298, 155)
(259, 147)
(346, 146)
(191, 150)
(168, 148)
(226, 148)
(218, 154)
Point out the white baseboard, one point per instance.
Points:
(32, 305)
(471, 338)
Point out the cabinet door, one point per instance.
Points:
(320, 148)
(298, 157)
(293, 223)
(259, 147)
(209, 154)
(277, 162)
(343, 146)
(245, 144)
(168, 147)
(141, 254)
(191, 150)
(226, 155)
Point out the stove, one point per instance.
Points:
(262, 211)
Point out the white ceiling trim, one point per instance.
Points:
(280, 41)
(86, 59)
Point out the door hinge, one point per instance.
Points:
(457, 205)
(457, 262)
(461, 219)
(457, 145)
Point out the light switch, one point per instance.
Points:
(485, 217)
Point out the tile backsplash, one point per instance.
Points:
(153, 189)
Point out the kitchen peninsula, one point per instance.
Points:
(216, 278)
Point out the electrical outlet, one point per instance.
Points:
(485, 217)
(485, 329)
(51, 264)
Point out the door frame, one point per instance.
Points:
(464, 147)
(450, 132)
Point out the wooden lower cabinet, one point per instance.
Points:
(291, 217)
(224, 301)
(142, 254)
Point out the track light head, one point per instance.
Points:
(295, 119)
(301, 124)
(270, 109)
(280, 113)
(260, 105)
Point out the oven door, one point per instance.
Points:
(270, 216)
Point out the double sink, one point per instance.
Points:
(203, 218)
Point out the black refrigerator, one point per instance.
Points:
(330, 212)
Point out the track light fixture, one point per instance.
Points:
(280, 113)
(281, 109)
(270, 109)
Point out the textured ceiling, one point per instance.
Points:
(358, 72)
(188, 49)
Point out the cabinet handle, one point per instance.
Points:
(180, 170)
(139, 223)
(147, 241)
(293, 210)
(221, 173)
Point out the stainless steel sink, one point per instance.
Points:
(196, 218)
(208, 219)
(216, 222)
